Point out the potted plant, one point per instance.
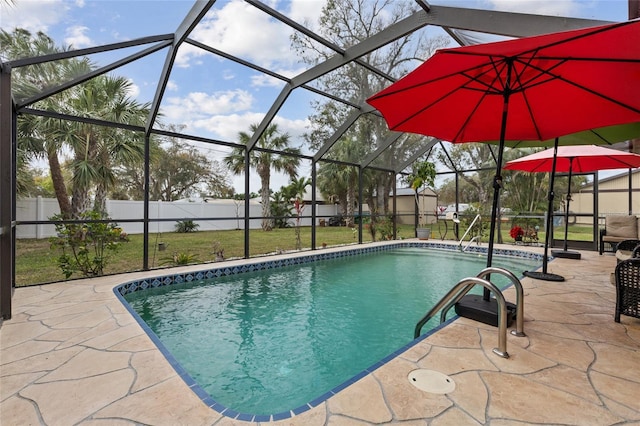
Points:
(516, 233)
(423, 175)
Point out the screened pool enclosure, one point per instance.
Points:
(310, 137)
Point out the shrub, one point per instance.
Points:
(86, 246)
(179, 259)
(184, 226)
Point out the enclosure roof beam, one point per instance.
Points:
(197, 12)
(337, 134)
(311, 34)
(88, 51)
(446, 153)
(427, 146)
(502, 23)
(193, 18)
(268, 72)
(391, 138)
(86, 120)
(88, 76)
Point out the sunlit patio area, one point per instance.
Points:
(73, 354)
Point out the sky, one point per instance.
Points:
(216, 98)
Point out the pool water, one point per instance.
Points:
(271, 341)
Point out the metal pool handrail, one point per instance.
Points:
(465, 285)
(486, 272)
(465, 234)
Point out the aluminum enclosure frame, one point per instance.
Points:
(451, 19)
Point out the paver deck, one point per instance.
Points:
(73, 355)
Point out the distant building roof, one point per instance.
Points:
(624, 175)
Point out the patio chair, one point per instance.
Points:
(625, 249)
(628, 288)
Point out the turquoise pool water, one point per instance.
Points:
(271, 341)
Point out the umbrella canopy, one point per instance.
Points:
(554, 85)
(572, 159)
(576, 159)
(533, 88)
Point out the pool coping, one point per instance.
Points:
(260, 265)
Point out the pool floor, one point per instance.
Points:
(72, 354)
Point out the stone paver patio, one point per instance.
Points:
(73, 355)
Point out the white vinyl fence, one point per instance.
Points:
(42, 209)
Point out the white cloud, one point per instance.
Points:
(227, 127)
(172, 86)
(306, 11)
(32, 15)
(538, 7)
(241, 30)
(134, 90)
(264, 80)
(197, 106)
(76, 37)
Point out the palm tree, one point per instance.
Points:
(95, 151)
(341, 180)
(40, 137)
(99, 150)
(264, 161)
(297, 188)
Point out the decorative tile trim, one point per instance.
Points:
(167, 280)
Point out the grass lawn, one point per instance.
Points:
(36, 262)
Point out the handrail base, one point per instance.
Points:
(498, 352)
(474, 307)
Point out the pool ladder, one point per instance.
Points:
(464, 286)
(476, 238)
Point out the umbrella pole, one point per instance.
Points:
(497, 185)
(565, 253)
(566, 213)
(544, 275)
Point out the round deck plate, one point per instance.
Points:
(432, 381)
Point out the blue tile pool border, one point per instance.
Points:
(252, 266)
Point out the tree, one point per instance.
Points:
(477, 158)
(281, 209)
(347, 23)
(176, 171)
(238, 200)
(99, 150)
(94, 151)
(39, 137)
(341, 182)
(264, 161)
(219, 183)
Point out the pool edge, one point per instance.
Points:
(261, 264)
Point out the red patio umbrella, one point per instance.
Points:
(572, 159)
(533, 88)
(576, 159)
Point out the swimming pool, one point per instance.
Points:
(278, 338)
